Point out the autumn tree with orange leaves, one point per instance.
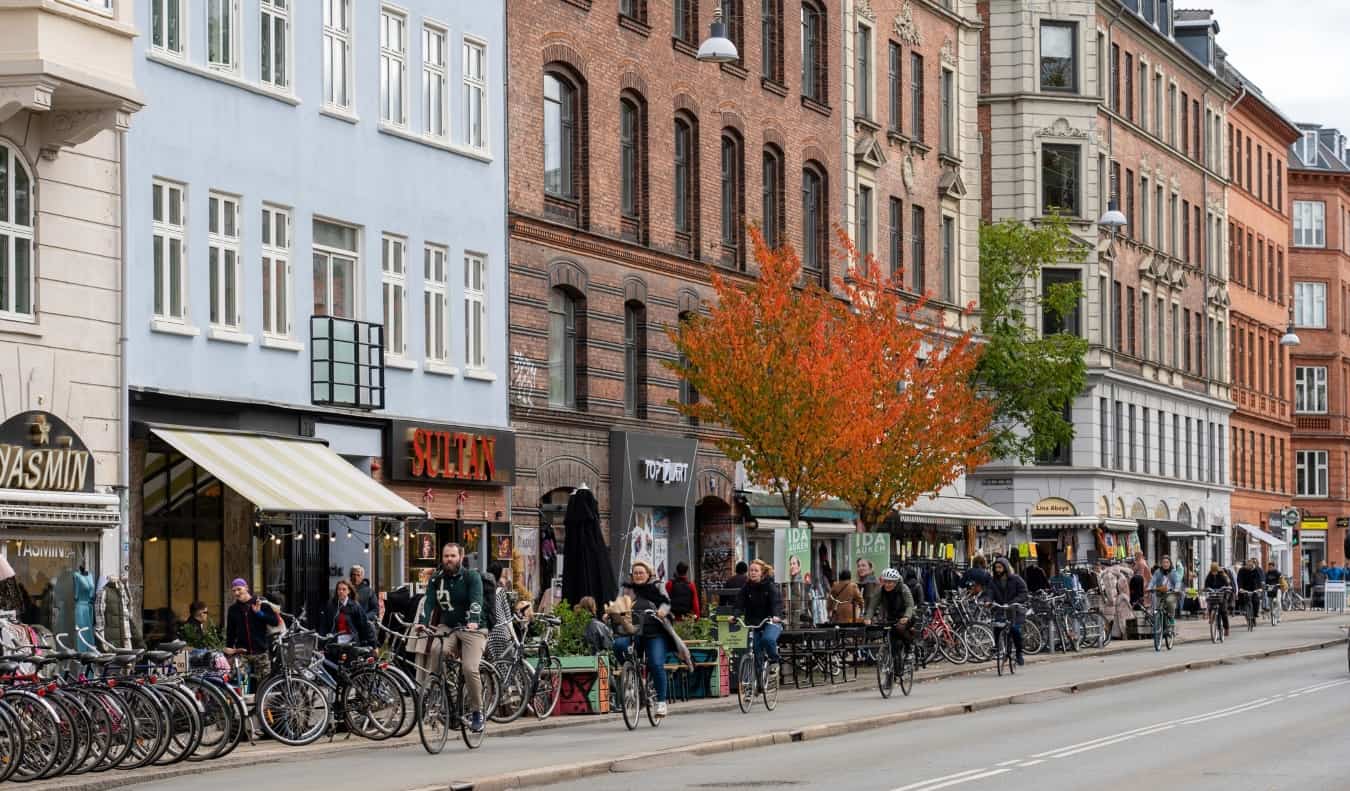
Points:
(825, 397)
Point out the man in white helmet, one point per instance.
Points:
(891, 604)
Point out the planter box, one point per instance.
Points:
(585, 685)
(711, 677)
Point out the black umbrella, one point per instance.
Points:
(587, 570)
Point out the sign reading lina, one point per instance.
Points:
(39, 452)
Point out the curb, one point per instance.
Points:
(576, 771)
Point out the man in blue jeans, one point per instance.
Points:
(757, 600)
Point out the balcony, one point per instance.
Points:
(346, 363)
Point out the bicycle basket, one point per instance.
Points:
(298, 650)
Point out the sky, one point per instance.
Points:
(1296, 51)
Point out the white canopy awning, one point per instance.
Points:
(955, 510)
(1261, 535)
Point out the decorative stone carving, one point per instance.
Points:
(867, 151)
(948, 52)
(904, 27)
(1062, 128)
(33, 96)
(907, 173)
(69, 128)
(863, 8)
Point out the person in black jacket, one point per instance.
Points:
(1216, 579)
(345, 618)
(758, 599)
(1249, 582)
(247, 625)
(648, 594)
(364, 594)
(1008, 588)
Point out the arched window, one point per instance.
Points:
(815, 223)
(688, 393)
(564, 136)
(771, 197)
(16, 235)
(733, 200)
(563, 345)
(686, 183)
(815, 61)
(633, 166)
(635, 359)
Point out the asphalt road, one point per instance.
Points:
(325, 767)
(1274, 724)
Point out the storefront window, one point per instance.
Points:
(183, 517)
(47, 571)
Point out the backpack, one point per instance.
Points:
(681, 597)
(489, 601)
(278, 631)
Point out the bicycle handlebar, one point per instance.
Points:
(759, 625)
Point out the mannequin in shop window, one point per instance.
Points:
(84, 608)
(113, 614)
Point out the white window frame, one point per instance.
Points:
(475, 95)
(1309, 147)
(1310, 470)
(162, 29)
(15, 236)
(393, 65)
(228, 40)
(435, 81)
(475, 310)
(222, 212)
(436, 305)
(1310, 389)
(1310, 223)
(394, 293)
(1310, 304)
(165, 233)
(337, 38)
(276, 255)
(273, 14)
(328, 253)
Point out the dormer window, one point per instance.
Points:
(1150, 11)
(1308, 152)
(1165, 17)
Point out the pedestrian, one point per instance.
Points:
(866, 573)
(597, 636)
(497, 597)
(249, 625)
(846, 599)
(345, 618)
(683, 593)
(365, 594)
(454, 605)
(977, 577)
(193, 631)
(727, 596)
(646, 594)
(1141, 566)
(1115, 585)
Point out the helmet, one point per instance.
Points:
(890, 575)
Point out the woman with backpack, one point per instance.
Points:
(683, 593)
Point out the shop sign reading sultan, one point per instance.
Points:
(453, 454)
(38, 451)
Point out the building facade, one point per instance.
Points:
(1084, 105)
(636, 170)
(318, 241)
(1260, 443)
(67, 97)
(1319, 190)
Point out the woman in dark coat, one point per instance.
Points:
(344, 617)
(648, 594)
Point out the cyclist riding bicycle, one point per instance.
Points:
(647, 594)
(1214, 581)
(1274, 579)
(1167, 582)
(454, 599)
(1005, 587)
(758, 599)
(1250, 581)
(892, 603)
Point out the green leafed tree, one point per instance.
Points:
(1032, 366)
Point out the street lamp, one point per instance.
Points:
(1113, 220)
(717, 48)
(1290, 338)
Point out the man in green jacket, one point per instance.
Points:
(454, 598)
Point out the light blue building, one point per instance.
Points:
(316, 248)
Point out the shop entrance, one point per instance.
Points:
(1312, 557)
(293, 572)
(552, 540)
(715, 533)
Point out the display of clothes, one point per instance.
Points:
(84, 609)
(12, 595)
(113, 614)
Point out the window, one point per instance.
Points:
(1129, 86)
(949, 259)
(1144, 435)
(771, 33)
(1144, 215)
(1117, 318)
(635, 359)
(475, 312)
(685, 210)
(1145, 326)
(394, 286)
(222, 35)
(475, 95)
(634, 9)
(436, 303)
(434, 82)
(393, 68)
(947, 134)
(337, 53)
(1162, 443)
(222, 257)
(897, 235)
(1115, 77)
(276, 271)
(815, 67)
(815, 223)
(562, 349)
(1143, 96)
(1059, 56)
(335, 269)
(561, 154)
(16, 239)
(630, 152)
(170, 230)
(733, 208)
(1104, 433)
(1310, 473)
(862, 80)
(1310, 305)
(1132, 433)
(1310, 389)
(688, 393)
(166, 26)
(275, 43)
(1310, 223)
(733, 14)
(686, 21)
(1118, 446)
(772, 198)
(917, 230)
(864, 229)
(1176, 336)
(893, 87)
(916, 96)
(1059, 179)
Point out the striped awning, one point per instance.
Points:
(286, 475)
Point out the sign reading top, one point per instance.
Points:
(39, 452)
(427, 453)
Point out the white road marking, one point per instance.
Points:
(1010, 763)
(1141, 730)
(1319, 687)
(1025, 764)
(924, 784)
(965, 777)
(1106, 741)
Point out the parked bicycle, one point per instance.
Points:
(533, 683)
(755, 673)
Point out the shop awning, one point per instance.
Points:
(1172, 529)
(67, 509)
(774, 524)
(1261, 535)
(286, 475)
(954, 510)
(763, 504)
(832, 528)
(1063, 522)
(1120, 525)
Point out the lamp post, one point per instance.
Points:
(1111, 222)
(717, 48)
(1290, 338)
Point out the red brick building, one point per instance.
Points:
(1319, 188)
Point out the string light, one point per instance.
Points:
(299, 534)
(316, 534)
(349, 534)
(332, 537)
(367, 549)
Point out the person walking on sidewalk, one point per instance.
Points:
(683, 593)
(455, 599)
(1008, 588)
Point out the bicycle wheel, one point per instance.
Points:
(409, 690)
(218, 719)
(74, 733)
(102, 730)
(979, 641)
(372, 705)
(547, 688)
(745, 682)
(149, 723)
(515, 690)
(649, 700)
(1002, 658)
(1169, 632)
(1095, 632)
(292, 710)
(630, 694)
(1251, 614)
(1214, 631)
(1032, 639)
(41, 729)
(906, 672)
(186, 729)
(11, 742)
(487, 676)
(1010, 649)
(885, 670)
(953, 648)
(768, 685)
(433, 714)
(1158, 628)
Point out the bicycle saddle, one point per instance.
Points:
(173, 646)
(92, 656)
(158, 657)
(123, 660)
(62, 655)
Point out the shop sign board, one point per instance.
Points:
(40, 452)
(1056, 506)
(426, 453)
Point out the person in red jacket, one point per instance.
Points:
(682, 592)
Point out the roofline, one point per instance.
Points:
(1292, 133)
